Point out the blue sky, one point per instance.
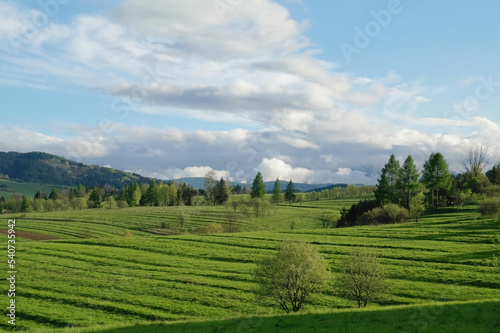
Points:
(315, 91)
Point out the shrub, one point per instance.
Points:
(349, 217)
(390, 213)
(295, 273)
(212, 228)
(490, 207)
(362, 277)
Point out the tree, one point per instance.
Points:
(152, 195)
(408, 181)
(25, 204)
(290, 192)
(362, 277)
(258, 187)
(53, 194)
(95, 198)
(300, 198)
(435, 176)
(291, 276)
(417, 205)
(328, 220)
(210, 187)
(494, 174)
(382, 190)
(277, 195)
(473, 161)
(392, 170)
(221, 192)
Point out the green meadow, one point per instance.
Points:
(89, 277)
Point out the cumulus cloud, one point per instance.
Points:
(295, 116)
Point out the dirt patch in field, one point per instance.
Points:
(30, 235)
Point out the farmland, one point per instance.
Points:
(93, 278)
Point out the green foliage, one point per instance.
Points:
(408, 181)
(417, 206)
(292, 276)
(392, 170)
(290, 192)
(436, 176)
(490, 207)
(494, 174)
(349, 217)
(277, 195)
(258, 187)
(390, 213)
(328, 220)
(362, 277)
(210, 229)
(95, 198)
(152, 195)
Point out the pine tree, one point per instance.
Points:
(277, 195)
(382, 191)
(222, 192)
(290, 192)
(408, 181)
(95, 197)
(152, 195)
(392, 171)
(436, 176)
(258, 187)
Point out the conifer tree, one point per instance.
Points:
(258, 187)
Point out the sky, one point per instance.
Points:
(309, 90)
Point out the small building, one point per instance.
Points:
(452, 200)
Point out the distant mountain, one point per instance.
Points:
(43, 168)
(199, 183)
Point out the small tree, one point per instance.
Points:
(292, 275)
(277, 195)
(258, 187)
(290, 192)
(417, 205)
(362, 277)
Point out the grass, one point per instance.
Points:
(93, 277)
(8, 188)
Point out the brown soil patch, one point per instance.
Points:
(30, 235)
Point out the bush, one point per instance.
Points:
(390, 213)
(212, 228)
(490, 207)
(291, 276)
(362, 277)
(349, 217)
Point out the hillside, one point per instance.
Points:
(43, 168)
(57, 171)
(94, 277)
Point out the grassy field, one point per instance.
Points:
(8, 188)
(93, 278)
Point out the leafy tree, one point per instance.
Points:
(258, 187)
(291, 276)
(25, 204)
(210, 187)
(328, 220)
(349, 217)
(417, 205)
(290, 192)
(362, 277)
(277, 195)
(408, 180)
(53, 194)
(436, 176)
(95, 198)
(300, 198)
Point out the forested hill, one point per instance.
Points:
(43, 168)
